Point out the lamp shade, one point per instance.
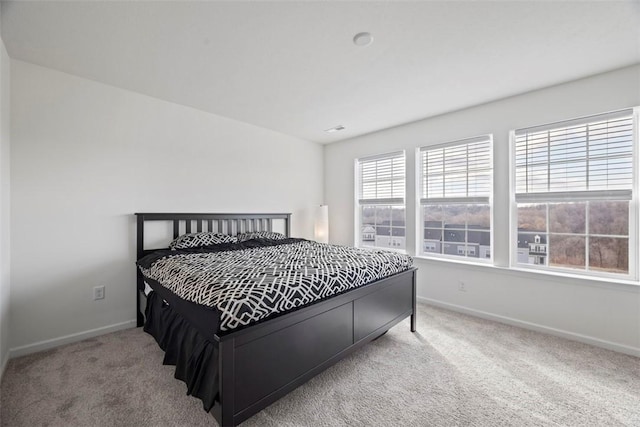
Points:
(321, 229)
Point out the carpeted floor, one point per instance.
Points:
(457, 370)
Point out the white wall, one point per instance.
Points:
(606, 314)
(86, 156)
(4, 206)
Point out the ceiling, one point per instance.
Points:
(292, 66)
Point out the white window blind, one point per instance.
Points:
(457, 171)
(583, 159)
(382, 179)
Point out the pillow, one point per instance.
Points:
(194, 240)
(260, 235)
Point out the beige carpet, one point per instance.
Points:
(457, 371)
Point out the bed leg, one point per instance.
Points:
(226, 371)
(413, 302)
(139, 316)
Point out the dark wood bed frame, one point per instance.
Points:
(260, 364)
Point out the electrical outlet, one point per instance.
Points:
(462, 287)
(98, 292)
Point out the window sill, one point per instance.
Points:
(560, 277)
(460, 260)
(578, 277)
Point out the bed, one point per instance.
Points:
(239, 362)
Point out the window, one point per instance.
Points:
(574, 202)
(380, 186)
(455, 203)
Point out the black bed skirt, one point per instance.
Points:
(195, 358)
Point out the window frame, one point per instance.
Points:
(392, 202)
(469, 200)
(577, 196)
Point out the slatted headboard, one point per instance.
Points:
(226, 223)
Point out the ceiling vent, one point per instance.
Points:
(334, 129)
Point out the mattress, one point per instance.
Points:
(237, 285)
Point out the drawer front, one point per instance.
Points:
(268, 363)
(375, 310)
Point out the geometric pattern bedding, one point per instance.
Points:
(192, 240)
(248, 285)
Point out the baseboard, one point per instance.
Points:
(3, 366)
(68, 339)
(621, 348)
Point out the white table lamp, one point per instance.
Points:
(321, 229)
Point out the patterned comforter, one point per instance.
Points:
(247, 283)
